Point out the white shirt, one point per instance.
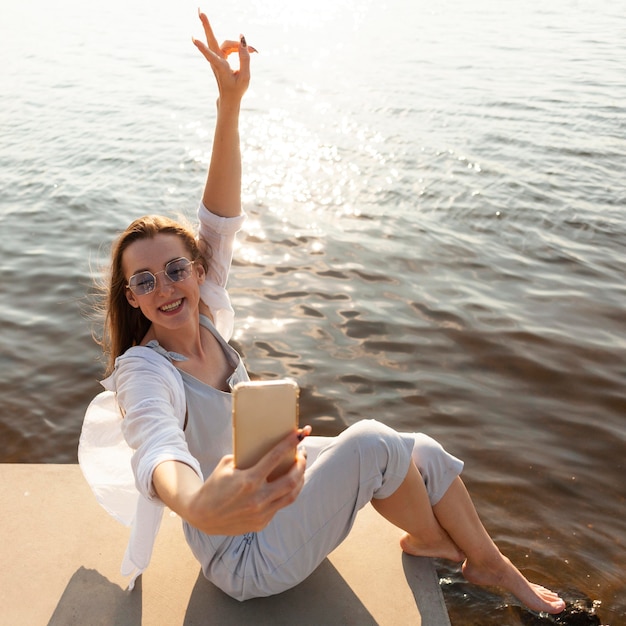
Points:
(117, 456)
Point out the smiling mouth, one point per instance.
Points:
(172, 306)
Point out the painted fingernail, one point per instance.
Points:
(243, 41)
(304, 432)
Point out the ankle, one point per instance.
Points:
(493, 562)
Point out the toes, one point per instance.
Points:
(549, 597)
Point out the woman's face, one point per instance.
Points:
(170, 304)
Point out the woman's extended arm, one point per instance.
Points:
(222, 192)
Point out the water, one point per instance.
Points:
(436, 237)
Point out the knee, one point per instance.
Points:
(370, 431)
(371, 435)
(437, 466)
(426, 450)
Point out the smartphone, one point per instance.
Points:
(264, 412)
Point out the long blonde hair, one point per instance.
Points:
(124, 325)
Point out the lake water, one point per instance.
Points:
(437, 237)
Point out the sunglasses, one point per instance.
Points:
(143, 283)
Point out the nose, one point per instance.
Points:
(163, 282)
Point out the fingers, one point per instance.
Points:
(208, 54)
(229, 46)
(244, 59)
(274, 458)
(235, 501)
(286, 458)
(304, 432)
(284, 490)
(208, 31)
(231, 82)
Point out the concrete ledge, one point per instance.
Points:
(61, 555)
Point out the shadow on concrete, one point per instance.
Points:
(90, 598)
(323, 598)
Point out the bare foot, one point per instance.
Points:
(442, 548)
(506, 575)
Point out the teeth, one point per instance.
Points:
(171, 306)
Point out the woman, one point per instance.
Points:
(171, 369)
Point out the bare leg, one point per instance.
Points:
(428, 537)
(485, 564)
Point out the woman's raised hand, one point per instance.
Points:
(231, 83)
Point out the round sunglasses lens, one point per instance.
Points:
(142, 283)
(178, 270)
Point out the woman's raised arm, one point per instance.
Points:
(222, 192)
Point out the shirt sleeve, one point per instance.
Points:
(216, 239)
(151, 425)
